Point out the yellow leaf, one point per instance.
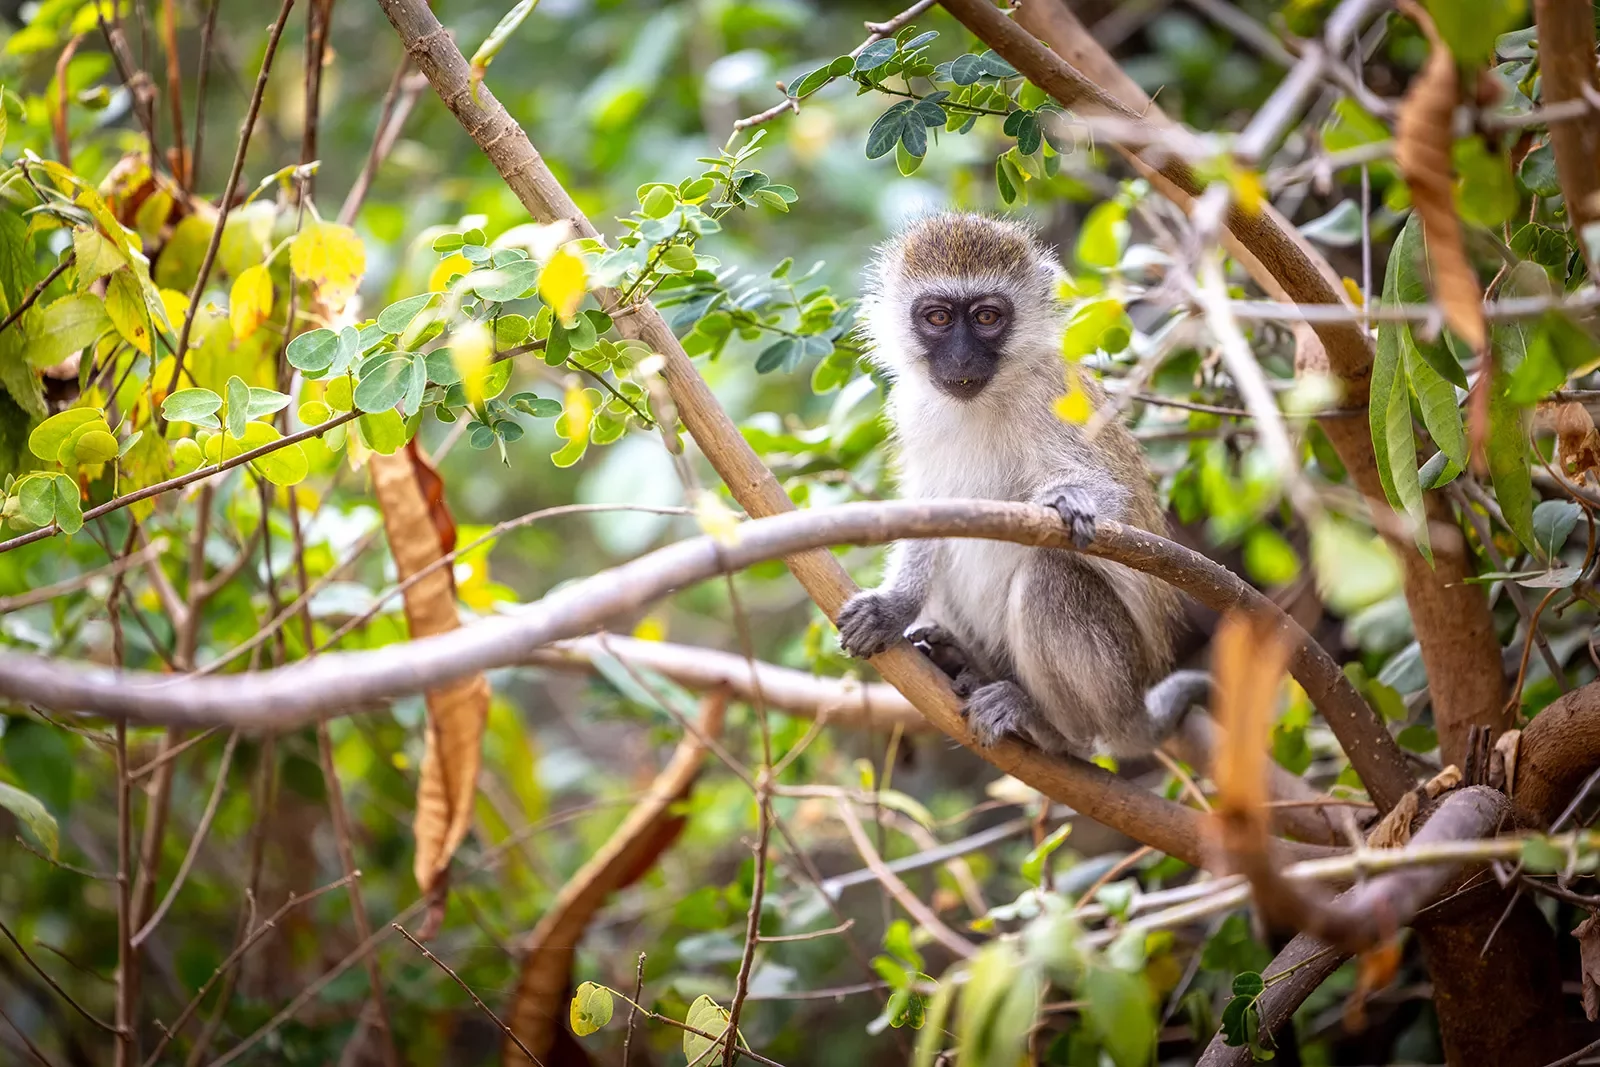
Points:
(651, 628)
(439, 280)
(1248, 192)
(332, 258)
(176, 304)
(472, 348)
(96, 255)
(716, 519)
(563, 282)
(1073, 406)
(250, 301)
(125, 304)
(1352, 289)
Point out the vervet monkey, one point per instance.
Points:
(1058, 648)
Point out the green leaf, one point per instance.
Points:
(707, 1016)
(384, 431)
(813, 80)
(537, 406)
(591, 1008)
(783, 353)
(1235, 1031)
(416, 385)
(1417, 738)
(1436, 398)
(238, 413)
(1103, 236)
(287, 465)
(64, 327)
(886, 131)
(1486, 194)
(47, 438)
(1539, 856)
(69, 505)
(1120, 1012)
(1538, 172)
(1033, 864)
(384, 384)
(904, 161)
(1248, 984)
(505, 283)
(196, 406)
(95, 446)
(313, 351)
(1269, 558)
(1553, 523)
(1438, 472)
(448, 242)
(1400, 445)
(1470, 29)
(265, 401)
(1002, 181)
(1508, 464)
(876, 54)
(931, 1041)
(398, 315)
(32, 814)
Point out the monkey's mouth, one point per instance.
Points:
(962, 388)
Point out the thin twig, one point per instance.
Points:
(226, 204)
(53, 984)
(182, 480)
(78, 581)
(436, 961)
(238, 953)
(195, 842)
(908, 900)
(34, 1049)
(39, 287)
(633, 1011)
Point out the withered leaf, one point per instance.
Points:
(457, 712)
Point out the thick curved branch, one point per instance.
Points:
(304, 692)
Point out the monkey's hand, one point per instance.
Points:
(941, 646)
(1077, 509)
(872, 621)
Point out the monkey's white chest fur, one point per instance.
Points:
(967, 450)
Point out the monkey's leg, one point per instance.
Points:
(942, 647)
(1003, 709)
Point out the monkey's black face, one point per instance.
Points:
(962, 339)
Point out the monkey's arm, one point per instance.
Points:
(873, 620)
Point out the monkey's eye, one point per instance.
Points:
(986, 317)
(937, 317)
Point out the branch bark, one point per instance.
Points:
(1450, 616)
(1567, 69)
(303, 692)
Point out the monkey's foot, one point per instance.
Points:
(941, 646)
(871, 622)
(999, 709)
(1077, 509)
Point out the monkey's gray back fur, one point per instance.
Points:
(1085, 639)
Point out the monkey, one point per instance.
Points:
(1051, 646)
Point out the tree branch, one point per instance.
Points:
(1566, 66)
(294, 695)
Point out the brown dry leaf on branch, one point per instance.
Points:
(1249, 661)
(1577, 440)
(416, 521)
(1422, 149)
(540, 1001)
(1588, 935)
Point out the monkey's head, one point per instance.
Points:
(965, 300)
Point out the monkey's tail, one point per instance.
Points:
(1170, 699)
